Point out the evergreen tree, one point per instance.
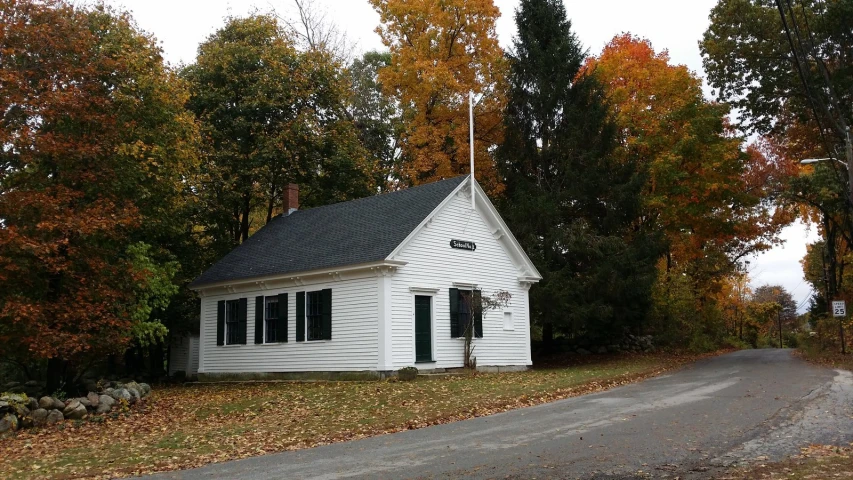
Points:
(572, 204)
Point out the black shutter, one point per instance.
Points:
(477, 307)
(259, 319)
(326, 296)
(242, 317)
(220, 322)
(300, 316)
(281, 322)
(454, 312)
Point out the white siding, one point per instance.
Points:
(432, 264)
(353, 347)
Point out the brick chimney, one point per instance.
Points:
(290, 198)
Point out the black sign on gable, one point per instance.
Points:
(463, 245)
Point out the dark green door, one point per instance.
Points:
(423, 328)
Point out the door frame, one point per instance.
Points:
(431, 294)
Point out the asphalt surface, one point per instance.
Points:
(752, 405)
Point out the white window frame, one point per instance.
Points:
(511, 326)
(308, 315)
(266, 319)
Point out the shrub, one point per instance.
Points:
(735, 342)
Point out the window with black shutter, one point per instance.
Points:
(271, 312)
(314, 315)
(318, 315)
(232, 331)
(465, 304)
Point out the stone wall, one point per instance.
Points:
(17, 410)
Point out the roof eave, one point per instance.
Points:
(306, 275)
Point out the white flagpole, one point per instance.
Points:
(471, 139)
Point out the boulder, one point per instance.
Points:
(75, 414)
(583, 351)
(85, 402)
(105, 404)
(146, 389)
(32, 403)
(93, 399)
(134, 395)
(8, 423)
(54, 416)
(10, 385)
(39, 417)
(70, 406)
(21, 411)
(121, 393)
(14, 398)
(601, 350)
(58, 404)
(46, 403)
(32, 383)
(4, 407)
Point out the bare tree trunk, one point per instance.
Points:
(244, 220)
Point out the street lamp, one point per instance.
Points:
(807, 161)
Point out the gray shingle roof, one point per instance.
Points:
(346, 233)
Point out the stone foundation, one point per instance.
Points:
(357, 376)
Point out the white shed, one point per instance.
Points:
(368, 287)
(183, 355)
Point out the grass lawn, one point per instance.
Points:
(188, 426)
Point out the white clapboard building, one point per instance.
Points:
(367, 287)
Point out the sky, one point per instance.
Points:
(674, 25)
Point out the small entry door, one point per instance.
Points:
(423, 328)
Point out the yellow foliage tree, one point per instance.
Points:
(441, 50)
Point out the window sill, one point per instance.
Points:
(270, 343)
(232, 345)
(424, 362)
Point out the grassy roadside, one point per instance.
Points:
(188, 426)
(815, 462)
(826, 358)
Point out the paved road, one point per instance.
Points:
(690, 424)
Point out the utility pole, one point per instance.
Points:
(848, 148)
(779, 320)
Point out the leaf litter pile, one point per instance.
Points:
(189, 426)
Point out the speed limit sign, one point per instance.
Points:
(839, 309)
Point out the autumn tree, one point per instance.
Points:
(704, 191)
(97, 154)
(569, 199)
(780, 295)
(439, 52)
(270, 115)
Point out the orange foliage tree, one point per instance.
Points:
(439, 52)
(708, 194)
(92, 129)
